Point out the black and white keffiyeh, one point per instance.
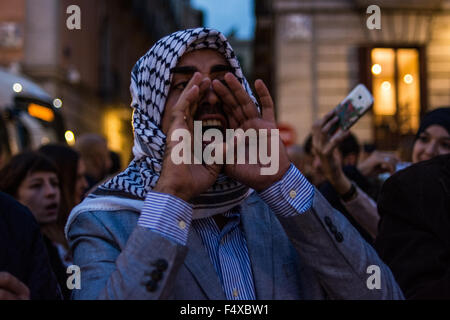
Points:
(150, 84)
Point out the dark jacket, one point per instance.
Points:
(22, 250)
(414, 234)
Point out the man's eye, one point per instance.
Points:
(181, 85)
(424, 139)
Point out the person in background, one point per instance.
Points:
(1, 154)
(32, 179)
(301, 159)
(72, 170)
(431, 140)
(341, 182)
(414, 206)
(25, 270)
(433, 136)
(115, 163)
(95, 154)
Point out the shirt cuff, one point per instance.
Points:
(291, 196)
(167, 215)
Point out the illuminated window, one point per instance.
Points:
(396, 86)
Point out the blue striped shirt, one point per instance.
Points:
(227, 248)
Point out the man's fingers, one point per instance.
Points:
(194, 82)
(230, 104)
(204, 85)
(244, 101)
(179, 116)
(267, 104)
(10, 284)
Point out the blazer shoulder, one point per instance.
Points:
(113, 225)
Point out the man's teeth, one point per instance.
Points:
(211, 122)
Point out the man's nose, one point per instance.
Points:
(210, 96)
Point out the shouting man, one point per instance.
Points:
(166, 229)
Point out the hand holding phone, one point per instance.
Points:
(352, 108)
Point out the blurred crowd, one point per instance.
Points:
(409, 227)
(38, 190)
(407, 217)
(401, 207)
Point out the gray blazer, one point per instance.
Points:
(316, 255)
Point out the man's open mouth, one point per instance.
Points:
(213, 121)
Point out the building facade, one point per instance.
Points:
(88, 68)
(323, 48)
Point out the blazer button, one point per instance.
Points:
(156, 275)
(328, 221)
(339, 237)
(151, 286)
(161, 265)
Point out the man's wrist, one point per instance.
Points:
(290, 196)
(275, 179)
(168, 189)
(167, 215)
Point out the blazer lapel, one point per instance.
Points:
(257, 228)
(201, 267)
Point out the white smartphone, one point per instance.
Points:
(353, 107)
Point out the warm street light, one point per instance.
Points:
(70, 137)
(386, 85)
(376, 69)
(17, 87)
(57, 103)
(408, 78)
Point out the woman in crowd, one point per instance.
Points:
(71, 169)
(433, 137)
(32, 179)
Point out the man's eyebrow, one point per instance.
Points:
(191, 69)
(184, 70)
(221, 67)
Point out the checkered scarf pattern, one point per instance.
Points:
(150, 85)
